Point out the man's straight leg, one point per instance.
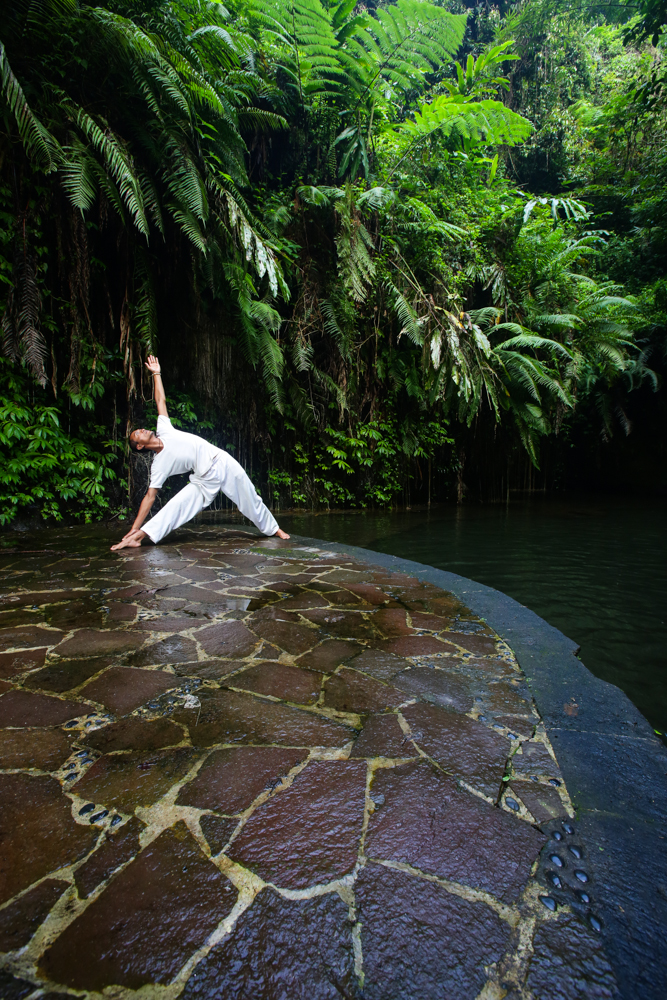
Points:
(237, 485)
(181, 508)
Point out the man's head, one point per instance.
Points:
(141, 439)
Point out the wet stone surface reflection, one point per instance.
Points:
(236, 767)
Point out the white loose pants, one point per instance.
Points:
(225, 474)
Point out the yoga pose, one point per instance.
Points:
(212, 470)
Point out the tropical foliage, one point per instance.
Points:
(367, 241)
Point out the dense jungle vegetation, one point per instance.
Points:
(388, 252)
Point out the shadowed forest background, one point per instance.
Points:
(387, 253)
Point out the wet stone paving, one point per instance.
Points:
(236, 767)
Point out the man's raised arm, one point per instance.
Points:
(153, 366)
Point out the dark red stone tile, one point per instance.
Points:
(437, 686)
(117, 848)
(20, 920)
(24, 708)
(543, 802)
(522, 727)
(200, 574)
(122, 612)
(175, 649)
(569, 963)
(66, 674)
(231, 779)
(392, 622)
(341, 624)
(480, 645)
(119, 595)
(217, 830)
(350, 691)
(292, 638)
(306, 600)
(170, 623)
(346, 575)
(135, 734)
(383, 666)
(534, 758)
(280, 681)
(462, 746)
(147, 923)
(37, 832)
(193, 595)
(432, 623)
(16, 663)
(40, 597)
(90, 642)
(122, 689)
(45, 749)
(417, 645)
(213, 670)
(5, 686)
(230, 717)
(420, 942)
(427, 822)
(271, 612)
(134, 779)
(231, 639)
(28, 636)
(505, 697)
(382, 737)
(329, 654)
(370, 593)
(75, 614)
(345, 598)
(281, 949)
(309, 833)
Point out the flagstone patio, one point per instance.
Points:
(235, 767)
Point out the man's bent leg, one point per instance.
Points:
(236, 485)
(180, 509)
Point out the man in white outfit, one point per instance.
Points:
(211, 470)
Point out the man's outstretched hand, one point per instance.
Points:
(153, 364)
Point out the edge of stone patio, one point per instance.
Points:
(614, 766)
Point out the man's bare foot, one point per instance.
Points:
(281, 534)
(131, 541)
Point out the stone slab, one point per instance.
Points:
(118, 847)
(135, 734)
(229, 639)
(27, 708)
(329, 654)
(92, 642)
(20, 920)
(43, 749)
(122, 689)
(37, 832)
(231, 779)
(281, 681)
(351, 691)
(65, 675)
(463, 747)
(569, 963)
(145, 926)
(382, 736)
(134, 779)
(309, 833)
(437, 686)
(427, 822)
(232, 717)
(282, 949)
(416, 938)
(18, 662)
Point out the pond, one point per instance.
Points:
(593, 566)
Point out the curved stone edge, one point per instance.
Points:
(614, 766)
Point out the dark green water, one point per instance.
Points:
(594, 567)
